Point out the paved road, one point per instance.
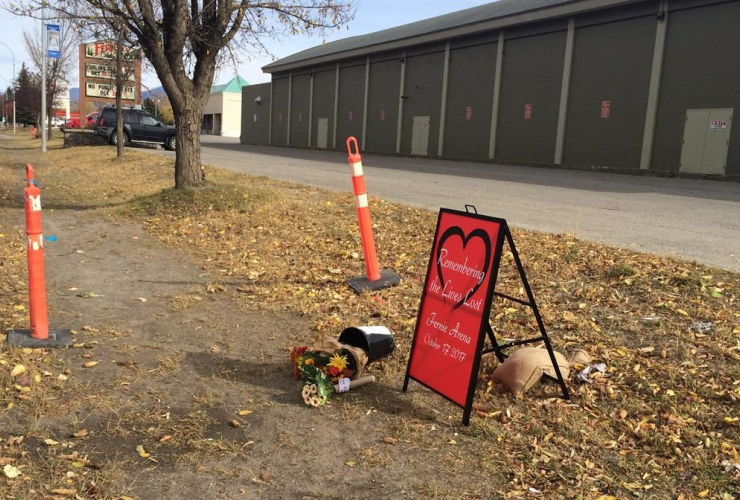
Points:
(691, 219)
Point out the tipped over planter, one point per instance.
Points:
(376, 341)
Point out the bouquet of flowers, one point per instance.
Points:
(326, 369)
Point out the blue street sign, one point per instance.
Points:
(53, 49)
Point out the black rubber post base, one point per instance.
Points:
(387, 279)
(57, 338)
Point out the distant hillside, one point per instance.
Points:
(148, 93)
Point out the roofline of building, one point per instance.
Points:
(557, 11)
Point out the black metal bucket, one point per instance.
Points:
(376, 341)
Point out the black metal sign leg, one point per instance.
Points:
(496, 349)
(537, 316)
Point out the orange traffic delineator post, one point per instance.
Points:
(374, 279)
(39, 334)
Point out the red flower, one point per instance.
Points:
(333, 371)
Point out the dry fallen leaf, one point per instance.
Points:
(90, 364)
(11, 471)
(17, 371)
(81, 433)
(244, 412)
(165, 438)
(50, 442)
(351, 463)
(390, 440)
(64, 492)
(141, 452)
(235, 423)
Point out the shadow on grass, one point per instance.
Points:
(210, 196)
(277, 380)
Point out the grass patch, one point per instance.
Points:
(620, 270)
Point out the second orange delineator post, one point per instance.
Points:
(363, 211)
(375, 279)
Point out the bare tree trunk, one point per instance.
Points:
(188, 169)
(119, 92)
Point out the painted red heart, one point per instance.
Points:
(457, 231)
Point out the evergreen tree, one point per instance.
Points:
(28, 96)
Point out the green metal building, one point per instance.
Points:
(628, 84)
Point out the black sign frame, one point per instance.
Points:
(486, 330)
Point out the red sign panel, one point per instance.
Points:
(528, 111)
(605, 108)
(469, 113)
(455, 304)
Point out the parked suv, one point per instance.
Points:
(138, 126)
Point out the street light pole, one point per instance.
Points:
(5, 102)
(13, 55)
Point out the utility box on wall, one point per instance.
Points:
(706, 139)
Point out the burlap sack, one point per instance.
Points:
(525, 367)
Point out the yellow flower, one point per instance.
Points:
(340, 362)
(309, 361)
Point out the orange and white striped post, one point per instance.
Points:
(36, 279)
(363, 211)
(374, 279)
(39, 334)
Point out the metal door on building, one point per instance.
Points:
(420, 136)
(706, 138)
(323, 133)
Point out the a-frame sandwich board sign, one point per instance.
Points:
(453, 318)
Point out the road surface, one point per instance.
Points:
(685, 218)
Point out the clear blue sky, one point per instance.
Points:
(372, 15)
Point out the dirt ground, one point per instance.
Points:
(192, 365)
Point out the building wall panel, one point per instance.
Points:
(611, 62)
(382, 108)
(469, 101)
(280, 112)
(323, 102)
(255, 117)
(700, 71)
(299, 111)
(532, 75)
(351, 104)
(423, 97)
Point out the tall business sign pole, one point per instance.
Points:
(51, 49)
(42, 125)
